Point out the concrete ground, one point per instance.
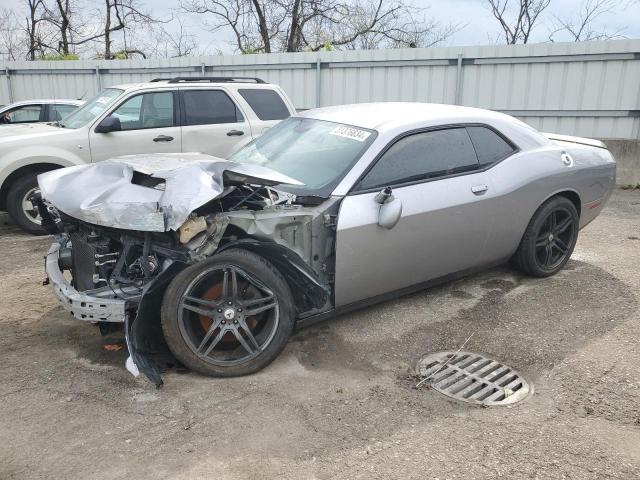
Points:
(339, 402)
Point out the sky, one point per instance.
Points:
(477, 25)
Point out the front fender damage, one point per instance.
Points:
(145, 341)
(143, 332)
(307, 292)
(190, 208)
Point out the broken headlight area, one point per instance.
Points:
(110, 277)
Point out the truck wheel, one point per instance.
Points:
(24, 213)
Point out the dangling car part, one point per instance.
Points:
(219, 260)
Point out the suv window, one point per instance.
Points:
(205, 107)
(24, 114)
(421, 156)
(148, 110)
(267, 104)
(490, 147)
(60, 110)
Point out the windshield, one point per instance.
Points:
(92, 109)
(315, 152)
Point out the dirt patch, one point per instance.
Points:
(339, 402)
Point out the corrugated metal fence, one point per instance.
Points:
(590, 89)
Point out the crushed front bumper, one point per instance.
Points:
(99, 306)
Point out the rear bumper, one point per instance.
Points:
(98, 306)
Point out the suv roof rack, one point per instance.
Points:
(210, 80)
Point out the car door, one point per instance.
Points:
(443, 226)
(212, 123)
(148, 125)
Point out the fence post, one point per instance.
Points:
(458, 95)
(98, 79)
(9, 88)
(318, 62)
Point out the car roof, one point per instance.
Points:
(385, 115)
(46, 100)
(185, 82)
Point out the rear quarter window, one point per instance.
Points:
(267, 104)
(490, 147)
(209, 107)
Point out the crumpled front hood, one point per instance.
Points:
(109, 194)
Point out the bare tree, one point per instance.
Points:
(123, 15)
(401, 26)
(298, 25)
(74, 30)
(35, 17)
(59, 15)
(177, 42)
(11, 38)
(235, 15)
(517, 22)
(581, 27)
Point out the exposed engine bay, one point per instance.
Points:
(118, 273)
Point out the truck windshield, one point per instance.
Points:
(92, 109)
(317, 153)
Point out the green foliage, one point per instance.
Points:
(327, 46)
(60, 56)
(121, 55)
(252, 51)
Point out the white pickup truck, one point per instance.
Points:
(213, 115)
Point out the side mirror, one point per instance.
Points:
(390, 208)
(109, 124)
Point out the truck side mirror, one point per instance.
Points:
(109, 124)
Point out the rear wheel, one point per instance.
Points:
(227, 316)
(19, 206)
(549, 239)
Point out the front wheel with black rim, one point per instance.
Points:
(550, 238)
(227, 316)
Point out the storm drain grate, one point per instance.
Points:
(473, 378)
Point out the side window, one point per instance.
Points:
(421, 156)
(25, 114)
(59, 111)
(206, 107)
(149, 110)
(490, 147)
(267, 104)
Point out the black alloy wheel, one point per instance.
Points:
(555, 238)
(549, 239)
(228, 315)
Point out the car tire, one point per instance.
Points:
(549, 239)
(15, 196)
(186, 331)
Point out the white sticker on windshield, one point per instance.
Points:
(350, 132)
(103, 100)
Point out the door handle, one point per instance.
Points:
(163, 138)
(235, 133)
(479, 189)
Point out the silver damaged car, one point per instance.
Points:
(331, 210)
